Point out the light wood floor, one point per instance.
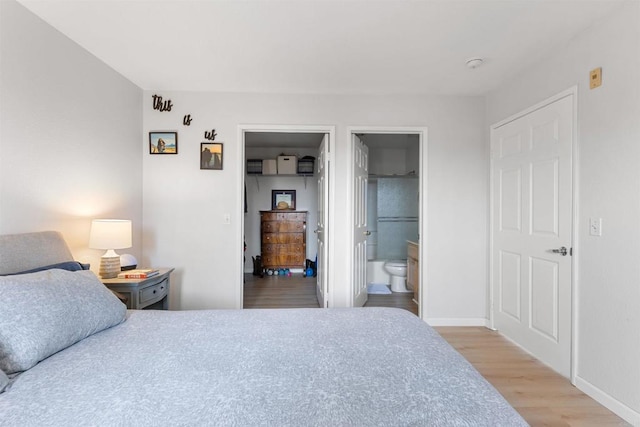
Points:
(541, 396)
(280, 292)
(300, 292)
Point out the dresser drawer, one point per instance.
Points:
(269, 249)
(269, 216)
(296, 259)
(270, 226)
(283, 260)
(292, 216)
(268, 238)
(293, 249)
(283, 249)
(156, 291)
(283, 227)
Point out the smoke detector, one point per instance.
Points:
(474, 63)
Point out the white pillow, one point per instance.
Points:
(45, 312)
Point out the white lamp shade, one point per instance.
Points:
(110, 234)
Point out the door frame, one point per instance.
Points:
(240, 153)
(422, 132)
(572, 91)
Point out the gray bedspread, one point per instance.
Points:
(298, 367)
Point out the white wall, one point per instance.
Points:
(391, 160)
(608, 270)
(387, 161)
(183, 216)
(69, 136)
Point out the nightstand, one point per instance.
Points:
(151, 293)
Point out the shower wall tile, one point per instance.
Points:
(393, 236)
(398, 197)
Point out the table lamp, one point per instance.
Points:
(110, 234)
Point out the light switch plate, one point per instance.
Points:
(595, 226)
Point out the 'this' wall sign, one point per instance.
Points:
(160, 104)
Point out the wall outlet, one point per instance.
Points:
(595, 227)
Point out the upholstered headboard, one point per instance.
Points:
(22, 252)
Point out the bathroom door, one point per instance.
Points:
(360, 226)
(322, 282)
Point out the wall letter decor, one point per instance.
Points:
(160, 105)
(211, 136)
(187, 120)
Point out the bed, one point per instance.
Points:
(73, 355)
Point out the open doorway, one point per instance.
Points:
(388, 199)
(286, 260)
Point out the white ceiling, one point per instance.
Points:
(320, 46)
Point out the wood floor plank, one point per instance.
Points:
(541, 396)
(280, 292)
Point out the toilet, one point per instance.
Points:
(398, 271)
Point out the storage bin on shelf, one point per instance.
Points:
(305, 165)
(287, 165)
(254, 166)
(269, 167)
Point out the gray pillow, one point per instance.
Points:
(45, 312)
(67, 265)
(4, 381)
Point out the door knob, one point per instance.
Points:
(562, 251)
(366, 233)
(316, 231)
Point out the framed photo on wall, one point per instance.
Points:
(163, 142)
(283, 199)
(211, 155)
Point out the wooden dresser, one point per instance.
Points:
(283, 242)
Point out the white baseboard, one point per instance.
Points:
(465, 321)
(615, 406)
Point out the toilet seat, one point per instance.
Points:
(396, 263)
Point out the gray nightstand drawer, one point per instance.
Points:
(154, 292)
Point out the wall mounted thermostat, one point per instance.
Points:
(595, 78)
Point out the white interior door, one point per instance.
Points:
(360, 226)
(532, 231)
(322, 283)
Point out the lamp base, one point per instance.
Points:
(109, 267)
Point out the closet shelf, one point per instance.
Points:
(297, 175)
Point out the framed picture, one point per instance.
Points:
(163, 142)
(283, 199)
(211, 155)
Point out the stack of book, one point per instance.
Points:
(142, 273)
